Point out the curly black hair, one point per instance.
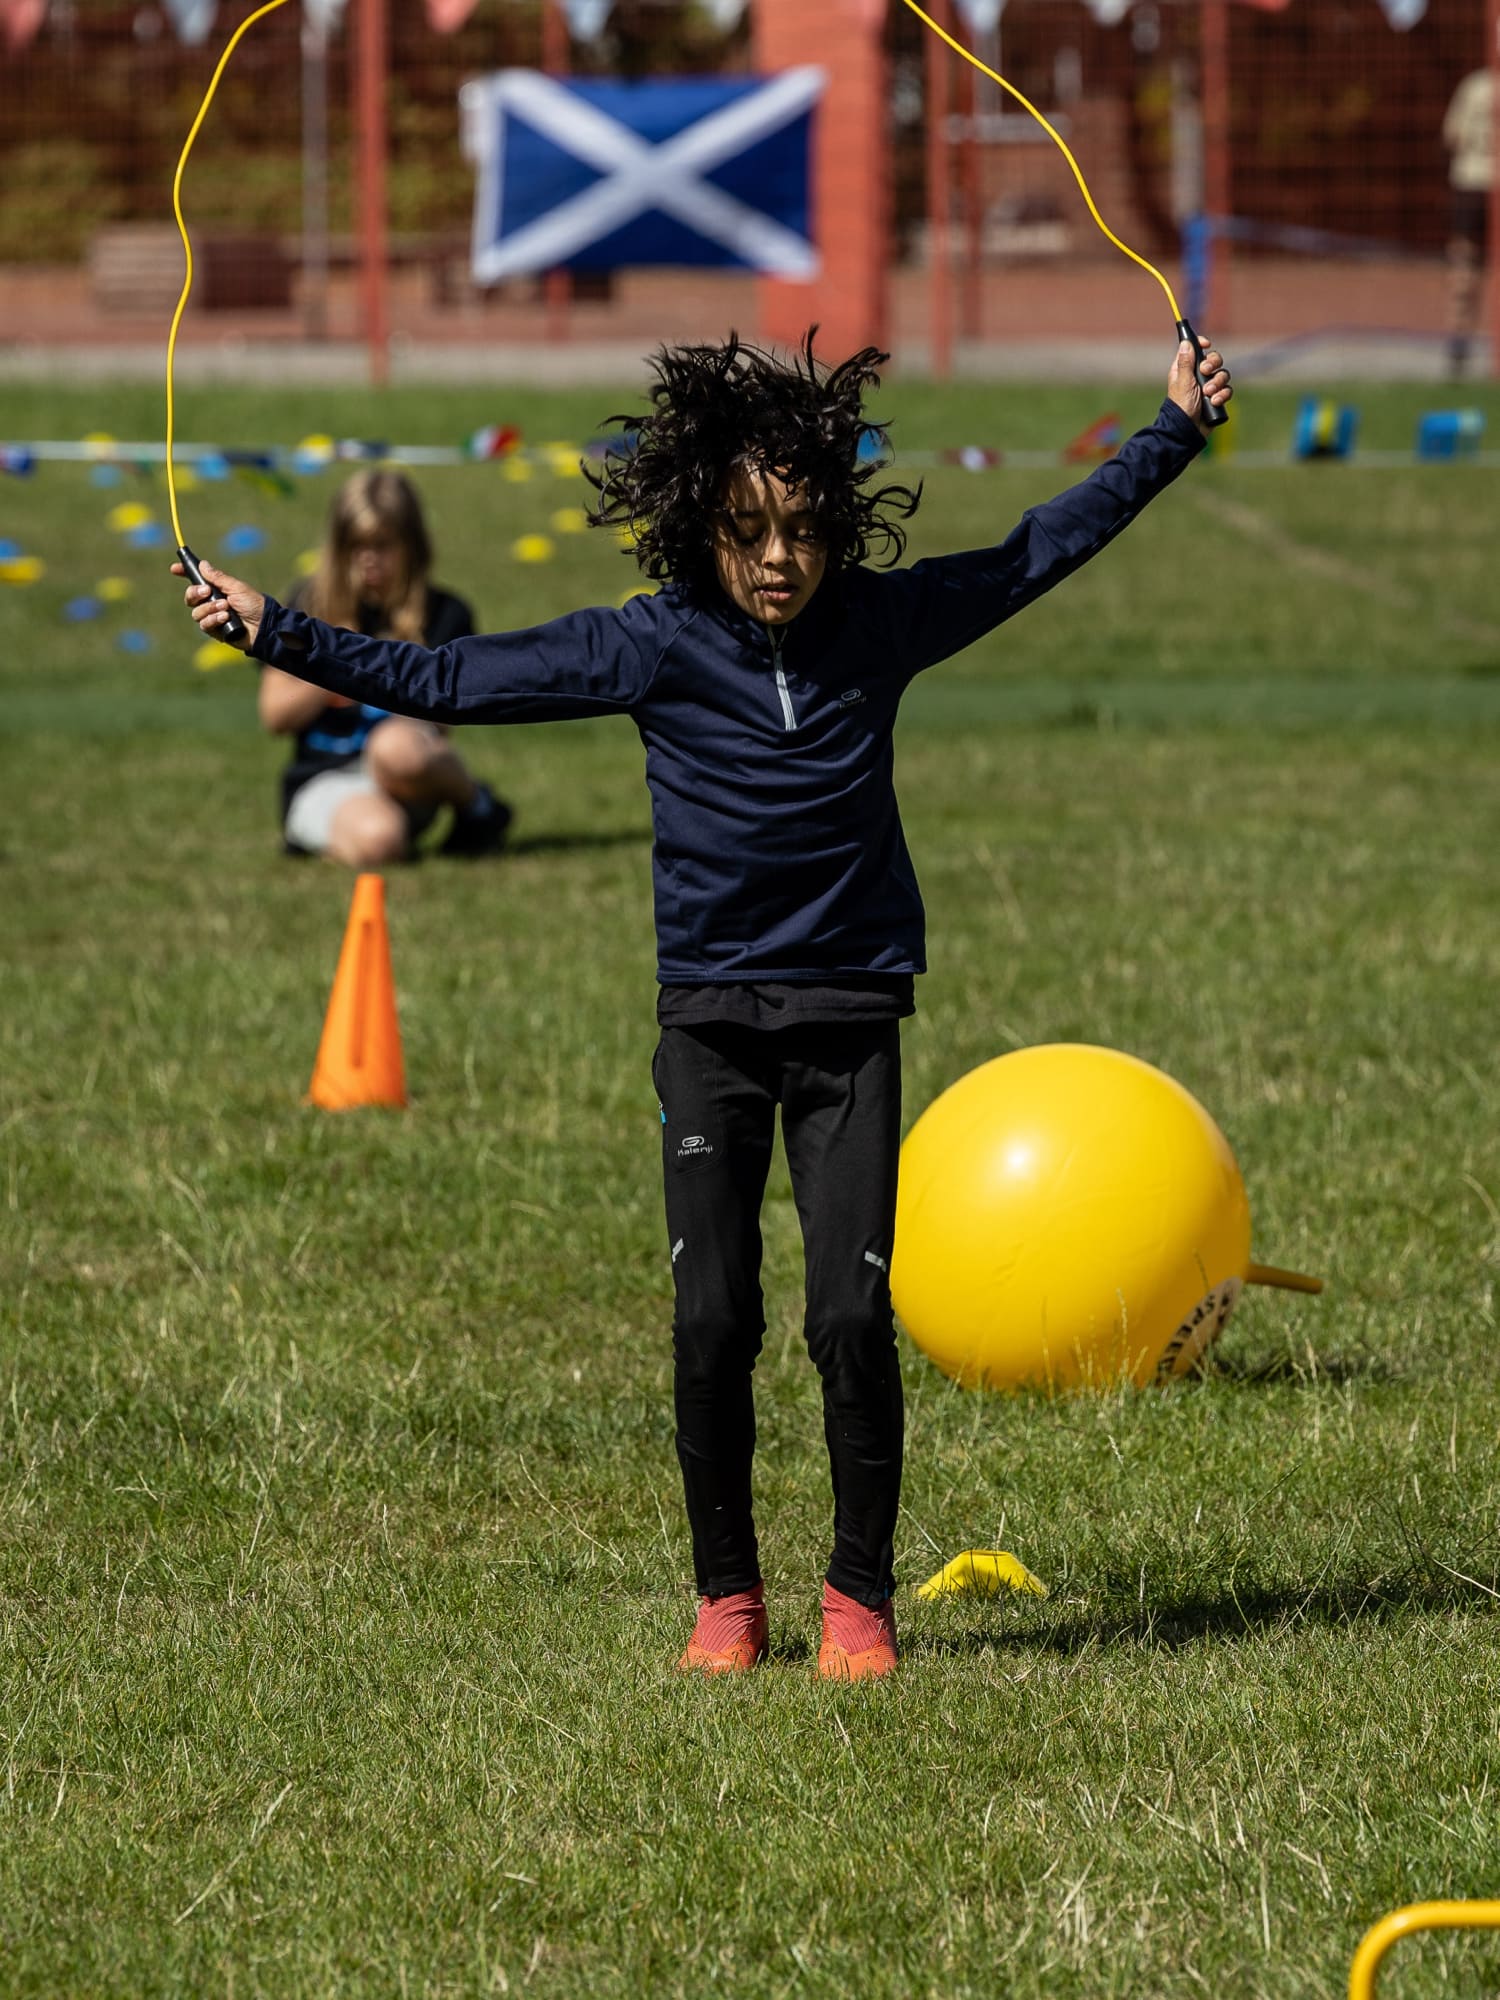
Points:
(718, 407)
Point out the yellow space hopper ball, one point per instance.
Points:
(1070, 1217)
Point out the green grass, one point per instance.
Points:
(341, 1552)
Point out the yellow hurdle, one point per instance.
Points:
(1379, 1938)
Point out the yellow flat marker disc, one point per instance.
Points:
(129, 514)
(532, 549)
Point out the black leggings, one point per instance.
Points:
(839, 1088)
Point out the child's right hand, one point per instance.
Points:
(1188, 392)
(207, 606)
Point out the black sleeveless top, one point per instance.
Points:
(337, 736)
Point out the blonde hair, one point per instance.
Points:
(371, 503)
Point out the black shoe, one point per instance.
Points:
(480, 828)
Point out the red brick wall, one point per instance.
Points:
(851, 172)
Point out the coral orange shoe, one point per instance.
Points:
(730, 1635)
(859, 1643)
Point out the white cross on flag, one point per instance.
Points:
(598, 175)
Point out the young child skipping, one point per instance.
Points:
(764, 678)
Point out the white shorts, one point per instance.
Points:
(309, 819)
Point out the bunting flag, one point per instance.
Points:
(193, 19)
(447, 16)
(678, 171)
(586, 18)
(21, 20)
(324, 15)
(1101, 440)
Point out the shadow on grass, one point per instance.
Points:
(789, 1652)
(1234, 1615)
(1304, 1372)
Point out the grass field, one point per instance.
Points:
(342, 1562)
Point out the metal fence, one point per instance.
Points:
(1290, 165)
(1286, 163)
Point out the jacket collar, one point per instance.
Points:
(806, 633)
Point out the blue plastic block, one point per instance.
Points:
(1450, 433)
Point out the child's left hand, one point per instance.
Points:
(1185, 389)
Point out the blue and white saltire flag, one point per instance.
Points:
(598, 175)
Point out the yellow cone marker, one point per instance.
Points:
(982, 1573)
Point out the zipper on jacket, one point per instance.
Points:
(788, 713)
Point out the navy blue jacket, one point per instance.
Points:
(778, 850)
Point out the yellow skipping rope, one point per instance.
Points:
(1212, 412)
(233, 628)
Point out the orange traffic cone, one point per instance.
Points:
(359, 1057)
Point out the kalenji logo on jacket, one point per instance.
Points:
(693, 1147)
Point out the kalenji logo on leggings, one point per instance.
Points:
(693, 1147)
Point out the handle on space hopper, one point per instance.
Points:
(1214, 414)
(1282, 1281)
(233, 631)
